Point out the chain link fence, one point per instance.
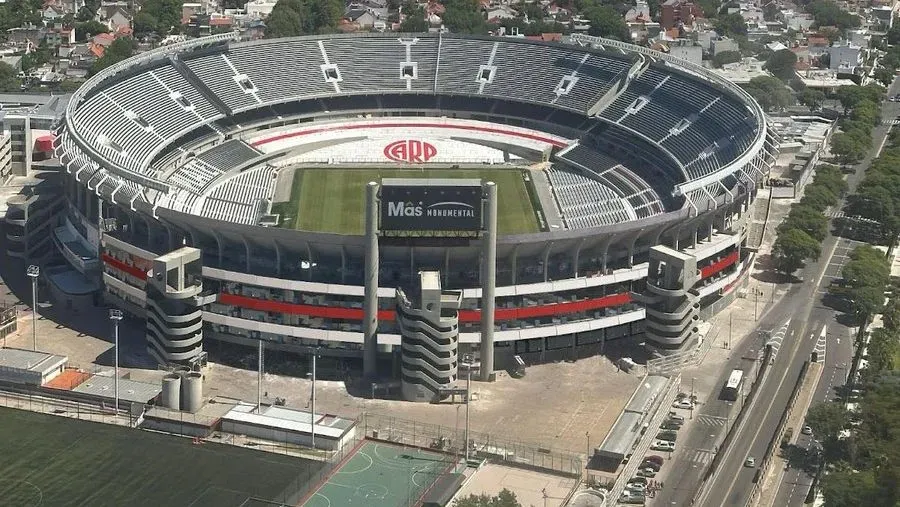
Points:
(451, 439)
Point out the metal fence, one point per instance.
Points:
(448, 438)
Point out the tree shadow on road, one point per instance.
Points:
(767, 273)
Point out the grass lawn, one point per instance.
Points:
(51, 460)
(333, 200)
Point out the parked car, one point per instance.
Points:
(650, 464)
(806, 430)
(636, 486)
(669, 425)
(683, 404)
(675, 417)
(632, 497)
(647, 472)
(663, 445)
(669, 435)
(654, 458)
(750, 463)
(638, 480)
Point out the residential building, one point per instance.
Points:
(674, 13)
(845, 57)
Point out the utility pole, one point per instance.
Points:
(33, 272)
(115, 315)
(692, 397)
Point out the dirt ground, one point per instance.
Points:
(554, 406)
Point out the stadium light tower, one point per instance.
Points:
(33, 272)
(312, 424)
(115, 315)
(468, 363)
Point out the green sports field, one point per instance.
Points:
(51, 460)
(333, 199)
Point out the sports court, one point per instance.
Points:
(380, 474)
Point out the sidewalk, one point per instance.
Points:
(775, 473)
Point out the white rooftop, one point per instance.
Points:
(288, 419)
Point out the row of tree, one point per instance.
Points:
(800, 235)
(864, 278)
(865, 465)
(862, 112)
(877, 197)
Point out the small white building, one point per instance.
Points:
(29, 367)
(259, 9)
(287, 425)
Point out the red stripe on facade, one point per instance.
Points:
(470, 128)
(121, 266)
(334, 312)
(719, 265)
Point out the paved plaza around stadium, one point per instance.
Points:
(379, 474)
(333, 199)
(54, 460)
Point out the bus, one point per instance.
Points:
(733, 386)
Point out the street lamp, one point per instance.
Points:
(587, 435)
(33, 272)
(468, 363)
(692, 397)
(115, 316)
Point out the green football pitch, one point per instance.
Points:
(51, 460)
(379, 474)
(333, 199)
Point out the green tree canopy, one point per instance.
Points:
(770, 92)
(506, 498)
(808, 220)
(166, 13)
(119, 50)
(792, 247)
(812, 99)
(8, 80)
(464, 16)
(89, 29)
(415, 21)
(290, 18)
(606, 22)
(725, 57)
(731, 25)
(781, 64)
(827, 419)
(829, 13)
(848, 148)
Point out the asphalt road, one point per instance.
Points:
(798, 475)
(732, 482)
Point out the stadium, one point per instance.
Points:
(624, 179)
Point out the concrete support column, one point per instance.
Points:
(370, 294)
(343, 263)
(575, 259)
(547, 250)
(446, 266)
(277, 258)
(489, 282)
(515, 264)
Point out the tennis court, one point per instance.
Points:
(380, 474)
